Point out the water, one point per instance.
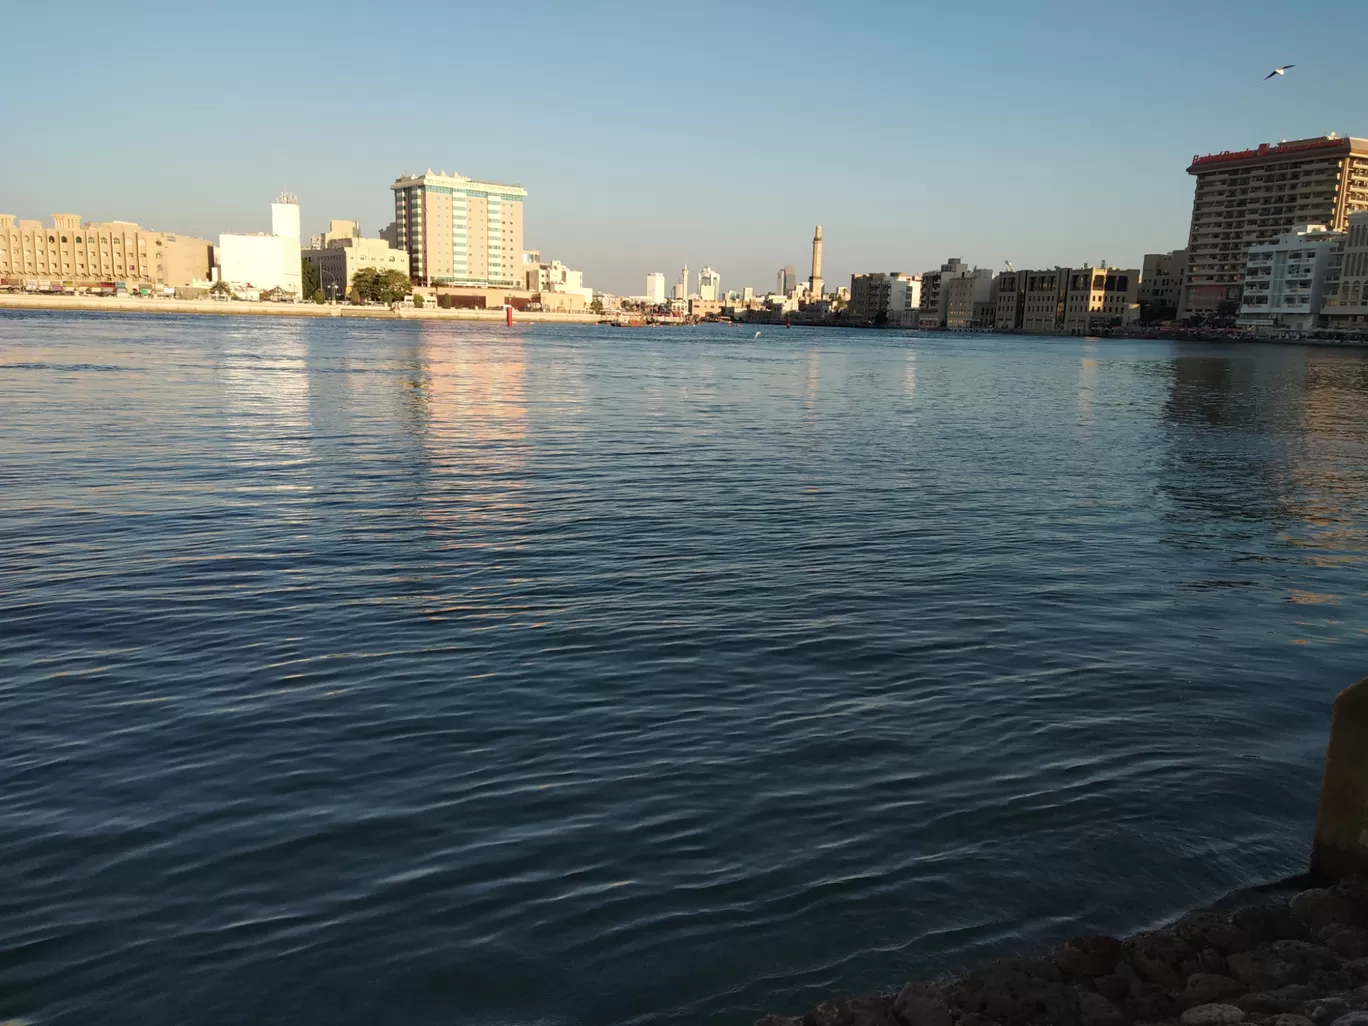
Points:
(431, 674)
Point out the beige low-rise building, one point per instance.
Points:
(1100, 297)
(345, 251)
(1009, 300)
(1042, 307)
(1161, 284)
(969, 300)
(92, 252)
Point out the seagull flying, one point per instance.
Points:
(1278, 71)
(757, 335)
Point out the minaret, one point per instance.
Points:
(815, 282)
(684, 282)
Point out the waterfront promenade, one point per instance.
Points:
(236, 308)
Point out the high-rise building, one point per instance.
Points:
(655, 288)
(97, 251)
(787, 280)
(460, 231)
(709, 284)
(1254, 196)
(815, 281)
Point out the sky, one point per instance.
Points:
(649, 136)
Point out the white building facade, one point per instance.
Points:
(709, 284)
(655, 288)
(262, 261)
(1285, 280)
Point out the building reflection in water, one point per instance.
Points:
(1087, 385)
(1263, 456)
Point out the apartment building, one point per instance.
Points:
(1252, 197)
(884, 297)
(456, 230)
(969, 300)
(1161, 284)
(344, 251)
(86, 253)
(933, 299)
(1100, 297)
(1285, 280)
(1009, 299)
(1345, 303)
(1042, 308)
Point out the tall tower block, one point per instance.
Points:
(815, 282)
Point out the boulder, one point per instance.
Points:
(1213, 961)
(1348, 942)
(1212, 1015)
(918, 1005)
(1015, 991)
(1263, 924)
(1261, 969)
(780, 1020)
(1352, 1019)
(1151, 1003)
(1288, 1019)
(1322, 907)
(1213, 930)
(860, 1010)
(1271, 1002)
(1087, 956)
(1322, 1010)
(1113, 986)
(1208, 988)
(1305, 956)
(1164, 959)
(1095, 1010)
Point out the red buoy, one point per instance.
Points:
(508, 315)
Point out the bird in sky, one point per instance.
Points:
(1278, 71)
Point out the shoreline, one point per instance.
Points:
(235, 308)
(1297, 960)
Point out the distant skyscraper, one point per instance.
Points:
(788, 279)
(655, 287)
(709, 284)
(815, 282)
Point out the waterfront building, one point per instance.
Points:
(1346, 286)
(655, 288)
(263, 260)
(460, 231)
(1042, 307)
(90, 252)
(787, 280)
(880, 297)
(969, 299)
(390, 233)
(709, 285)
(1009, 300)
(815, 280)
(554, 277)
(1100, 297)
(1161, 284)
(933, 299)
(1285, 280)
(343, 251)
(1252, 197)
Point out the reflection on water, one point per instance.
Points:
(655, 677)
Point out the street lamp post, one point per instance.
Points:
(332, 289)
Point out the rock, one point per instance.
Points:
(1328, 981)
(1346, 941)
(1287, 1019)
(1271, 1002)
(1113, 986)
(1212, 961)
(1095, 1010)
(1322, 1010)
(1213, 930)
(1305, 956)
(1261, 969)
(860, 1010)
(780, 1020)
(1207, 988)
(1088, 956)
(1263, 924)
(974, 1019)
(1151, 1003)
(1352, 1019)
(917, 1005)
(1320, 908)
(1164, 959)
(1212, 1015)
(1014, 992)
(1356, 969)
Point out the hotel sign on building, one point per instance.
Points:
(458, 231)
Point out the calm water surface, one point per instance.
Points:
(431, 674)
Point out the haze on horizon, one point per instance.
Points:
(649, 137)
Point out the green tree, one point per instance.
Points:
(365, 285)
(597, 305)
(220, 288)
(418, 301)
(309, 277)
(394, 286)
(318, 296)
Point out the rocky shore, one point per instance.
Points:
(1301, 961)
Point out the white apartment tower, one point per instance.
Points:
(709, 284)
(655, 288)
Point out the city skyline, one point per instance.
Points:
(802, 129)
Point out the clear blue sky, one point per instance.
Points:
(648, 135)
